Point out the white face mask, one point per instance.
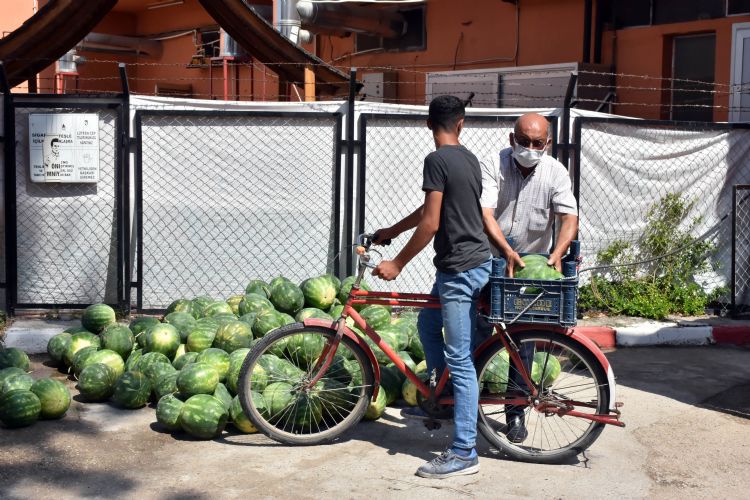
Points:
(527, 158)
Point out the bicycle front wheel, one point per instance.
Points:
(568, 378)
(275, 391)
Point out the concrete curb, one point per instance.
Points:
(651, 333)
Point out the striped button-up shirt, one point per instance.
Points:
(525, 208)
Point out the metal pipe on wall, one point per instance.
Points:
(344, 18)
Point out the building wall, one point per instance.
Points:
(14, 13)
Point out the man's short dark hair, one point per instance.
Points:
(54, 141)
(446, 111)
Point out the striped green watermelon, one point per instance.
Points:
(139, 326)
(181, 350)
(57, 346)
(278, 280)
(16, 382)
(53, 396)
(234, 303)
(183, 321)
(118, 338)
(77, 342)
(238, 417)
(222, 394)
(287, 297)
(335, 282)
(181, 305)
(203, 416)
(278, 397)
(304, 349)
(266, 322)
(311, 312)
(218, 358)
(200, 304)
(13, 356)
(319, 292)
(168, 412)
(260, 287)
(218, 307)
(155, 371)
(187, 358)
(132, 361)
(166, 384)
(376, 408)
(390, 382)
(376, 316)
(19, 408)
(233, 335)
(537, 268)
(248, 318)
(163, 338)
(495, 376)
(107, 357)
(255, 303)
(335, 398)
(201, 337)
(415, 348)
(547, 362)
(236, 359)
(346, 286)
(76, 329)
(132, 390)
(79, 360)
(6, 373)
(97, 317)
(97, 382)
(197, 378)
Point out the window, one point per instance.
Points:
(627, 13)
(677, 11)
(414, 38)
(738, 7)
(630, 13)
(209, 40)
(693, 59)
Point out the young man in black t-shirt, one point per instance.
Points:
(452, 214)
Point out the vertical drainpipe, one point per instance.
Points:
(587, 13)
(598, 28)
(288, 23)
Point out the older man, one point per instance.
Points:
(524, 190)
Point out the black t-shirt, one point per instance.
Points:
(460, 243)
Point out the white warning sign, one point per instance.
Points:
(64, 147)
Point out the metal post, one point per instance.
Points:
(566, 119)
(9, 150)
(123, 276)
(349, 178)
(587, 14)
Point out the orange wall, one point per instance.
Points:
(647, 51)
(13, 13)
(479, 34)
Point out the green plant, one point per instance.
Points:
(655, 276)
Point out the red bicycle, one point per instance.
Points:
(306, 383)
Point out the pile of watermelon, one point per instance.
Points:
(24, 400)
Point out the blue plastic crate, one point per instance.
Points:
(557, 306)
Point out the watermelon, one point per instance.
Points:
(222, 394)
(336, 310)
(181, 350)
(97, 317)
(187, 358)
(277, 281)
(77, 342)
(278, 396)
(57, 346)
(97, 382)
(118, 338)
(233, 335)
(53, 396)
(238, 417)
(163, 338)
(376, 408)
(549, 363)
(76, 329)
(495, 376)
(79, 360)
(155, 371)
(259, 287)
(537, 268)
(200, 304)
(140, 325)
(376, 316)
(19, 408)
(390, 382)
(12, 356)
(421, 367)
(311, 312)
(335, 282)
(346, 286)
(15, 382)
(307, 411)
(406, 325)
(197, 378)
(132, 390)
(248, 318)
(6, 373)
(287, 297)
(217, 307)
(286, 371)
(203, 416)
(255, 303)
(107, 357)
(409, 389)
(236, 359)
(132, 361)
(148, 359)
(415, 348)
(201, 337)
(304, 348)
(267, 322)
(319, 292)
(234, 303)
(180, 305)
(218, 358)
(168, 412)
(393, 337)
(165, 384)
(183, 321)
(335, 398)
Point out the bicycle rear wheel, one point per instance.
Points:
(567, 376)
(276, 396)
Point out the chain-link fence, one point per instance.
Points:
(226, 197)
(741, 250)
(66, 234)
(390, 178)
(630, 174)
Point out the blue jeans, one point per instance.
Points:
(458, 296)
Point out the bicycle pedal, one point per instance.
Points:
(432, 425)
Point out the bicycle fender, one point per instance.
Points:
(324, 323)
